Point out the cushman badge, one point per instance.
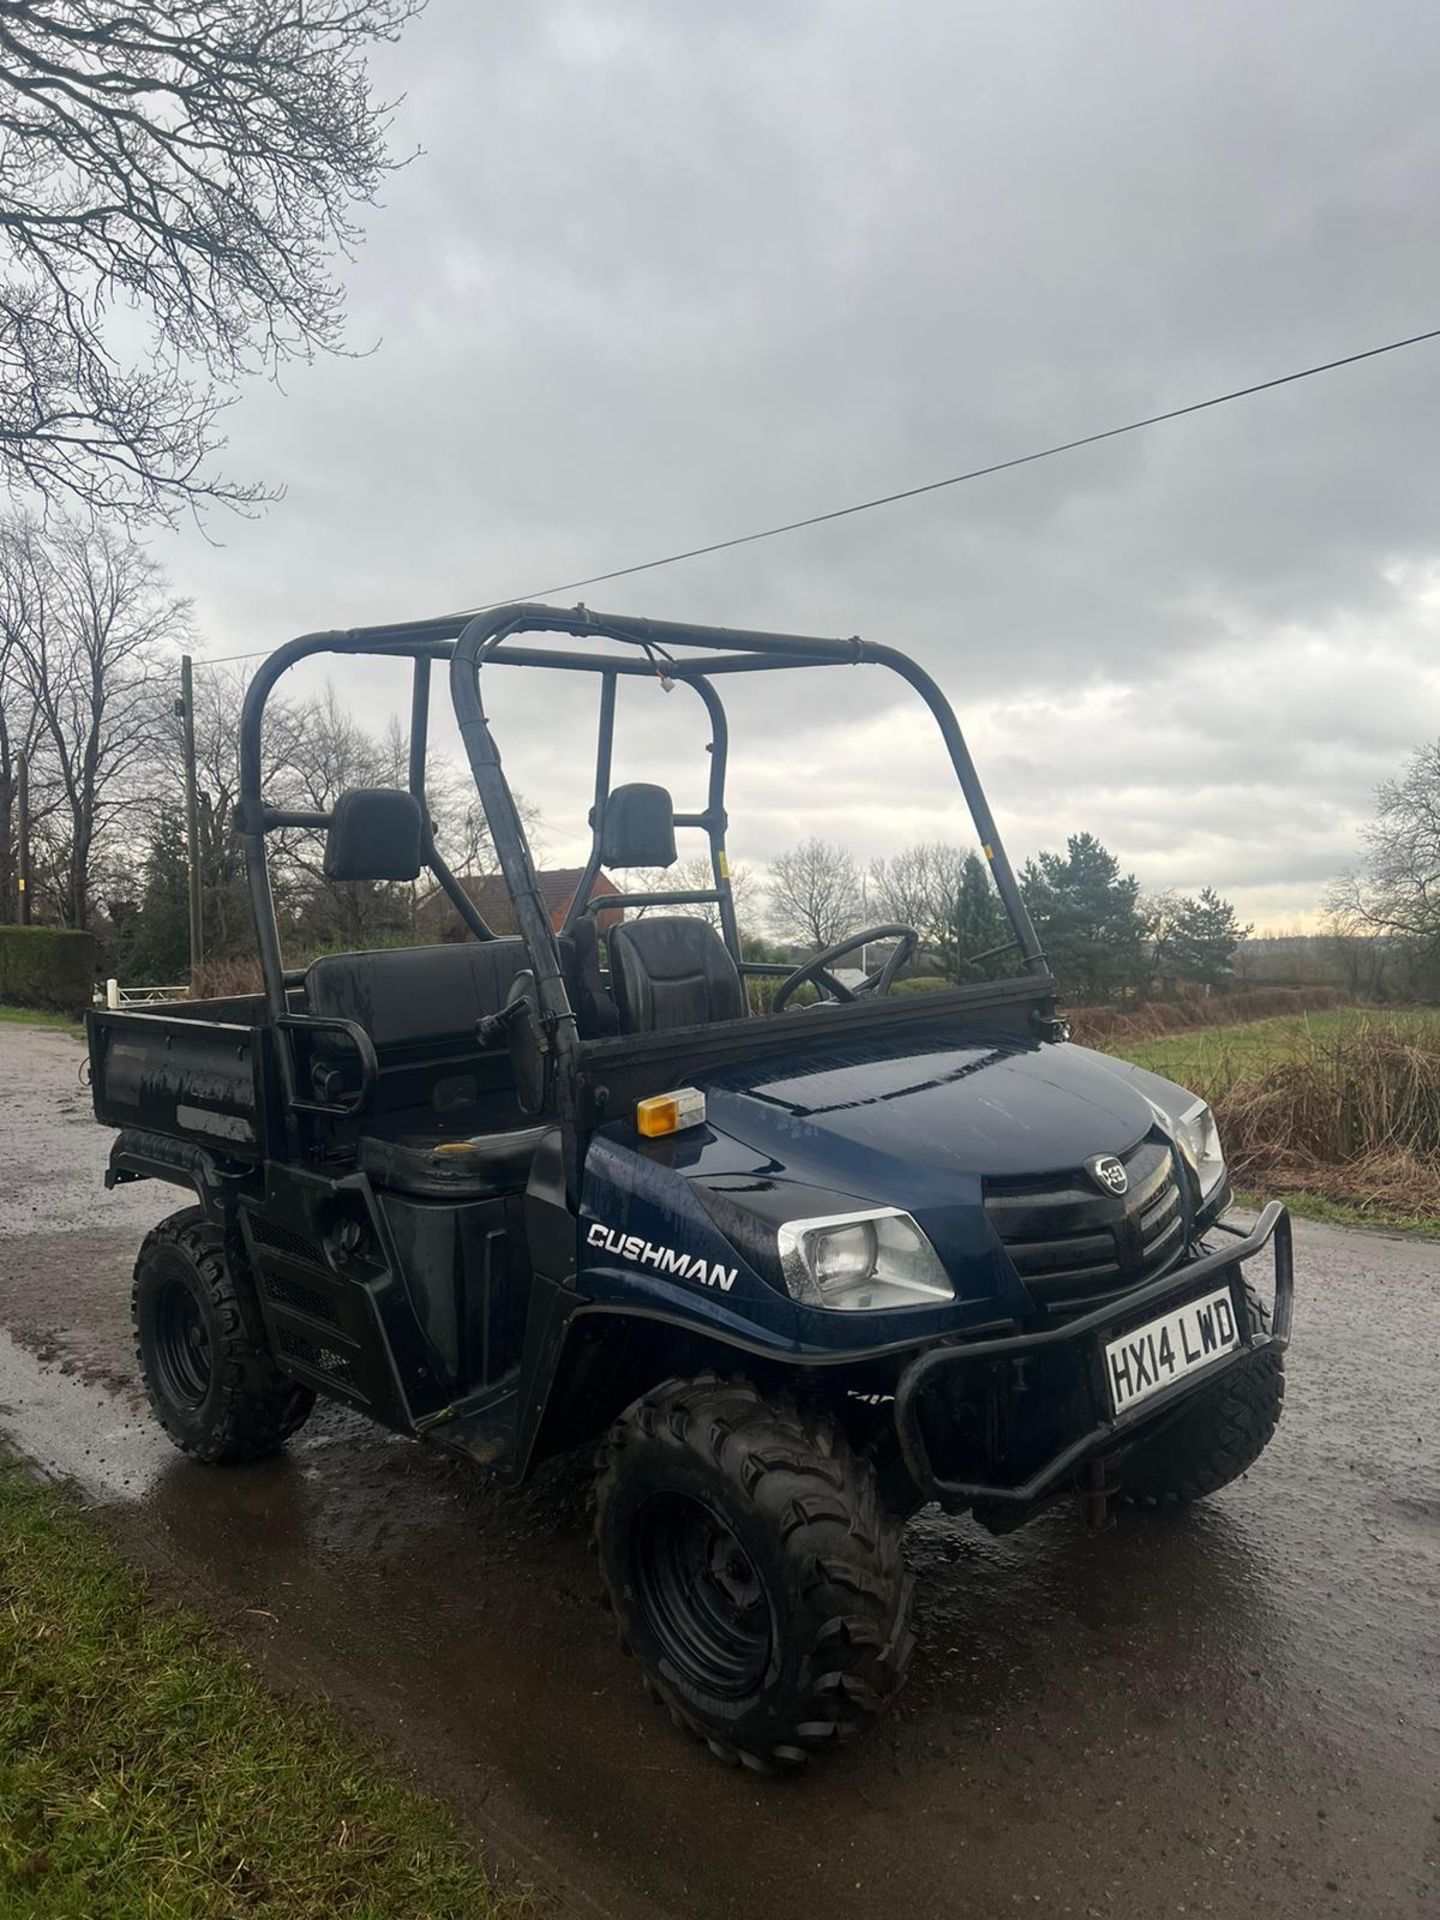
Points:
(1107, 1172)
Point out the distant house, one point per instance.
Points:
(436, 918)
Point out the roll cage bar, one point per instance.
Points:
(471, 644)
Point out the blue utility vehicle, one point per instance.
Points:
(798, 1263)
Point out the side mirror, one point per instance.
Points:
(529, 1051)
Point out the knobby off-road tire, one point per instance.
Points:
(201, 1348)
(1223, 1432)
(754, 1573)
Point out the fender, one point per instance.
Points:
(141, 1155)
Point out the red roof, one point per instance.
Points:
(491, 897)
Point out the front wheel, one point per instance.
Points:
(755, 1574)
(211, 1380)
(1221, 1432)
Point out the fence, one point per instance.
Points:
(117, 996)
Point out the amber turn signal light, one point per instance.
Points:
(666, 1113)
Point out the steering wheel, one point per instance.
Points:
(817, 967)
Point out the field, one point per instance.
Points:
(1219, 1056)
(1336, 1111)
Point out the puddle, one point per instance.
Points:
(72, 1431)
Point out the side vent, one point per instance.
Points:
(300, 1298)
(316, 1358)
(267, 1233)
(320, 1318)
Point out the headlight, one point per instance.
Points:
(1199, 1140)
(861, 1262)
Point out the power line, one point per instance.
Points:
(929, 486)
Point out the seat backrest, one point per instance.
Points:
(672, 971)
(639, 827)
(595, 1014)
(402, 996)
(375, 833)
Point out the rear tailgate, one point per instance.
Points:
(196, 1080)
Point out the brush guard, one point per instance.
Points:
(1077, 1348)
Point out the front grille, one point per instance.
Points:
(1074, 1246)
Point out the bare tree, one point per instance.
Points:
(694, 876)
(1397, 889)
(815, 893)
(313, 751)
(195, 164)
(219, 694)
(88, 655)
(919, 887)
(948, 896)
(19, 716)
(330, 754)
(1395, 894)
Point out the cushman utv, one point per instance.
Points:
(798, 1272)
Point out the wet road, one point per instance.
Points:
(1234, 1712)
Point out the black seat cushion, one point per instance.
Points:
(672, 971)
(478, 1168)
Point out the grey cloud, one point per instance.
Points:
(663, 274)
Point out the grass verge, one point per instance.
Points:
(145, 1774)
(32, 1017)
(1348, 1213)
(1337, 1112)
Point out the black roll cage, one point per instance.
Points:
(472, 643)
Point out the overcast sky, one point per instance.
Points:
(667, 272)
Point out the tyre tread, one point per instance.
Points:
(843, 1547)
(1214, 1443)
(258, 1406)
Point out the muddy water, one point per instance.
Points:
(1234, 1712)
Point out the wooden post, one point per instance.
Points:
(192, 821)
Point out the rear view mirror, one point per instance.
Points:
(529, 1051)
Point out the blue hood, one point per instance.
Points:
(896, 1113)
(916, 1119)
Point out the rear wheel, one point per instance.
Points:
(1221, 1433)
(211, 1380)
(755, 1574)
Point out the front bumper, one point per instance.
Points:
(1077, 1349)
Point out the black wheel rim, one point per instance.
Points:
(702, 1595)
(182, 1345)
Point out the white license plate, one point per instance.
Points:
(1163, 1351)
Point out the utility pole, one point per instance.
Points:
(185, 707)
(22, 811)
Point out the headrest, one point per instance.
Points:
(639, 828)
(375, 834)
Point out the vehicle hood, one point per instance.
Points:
(892, 1113)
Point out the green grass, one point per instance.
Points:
(1212, 1059)
(1213, 1056)
(31, 1017)
(1348, 1213)
(145, 1774)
